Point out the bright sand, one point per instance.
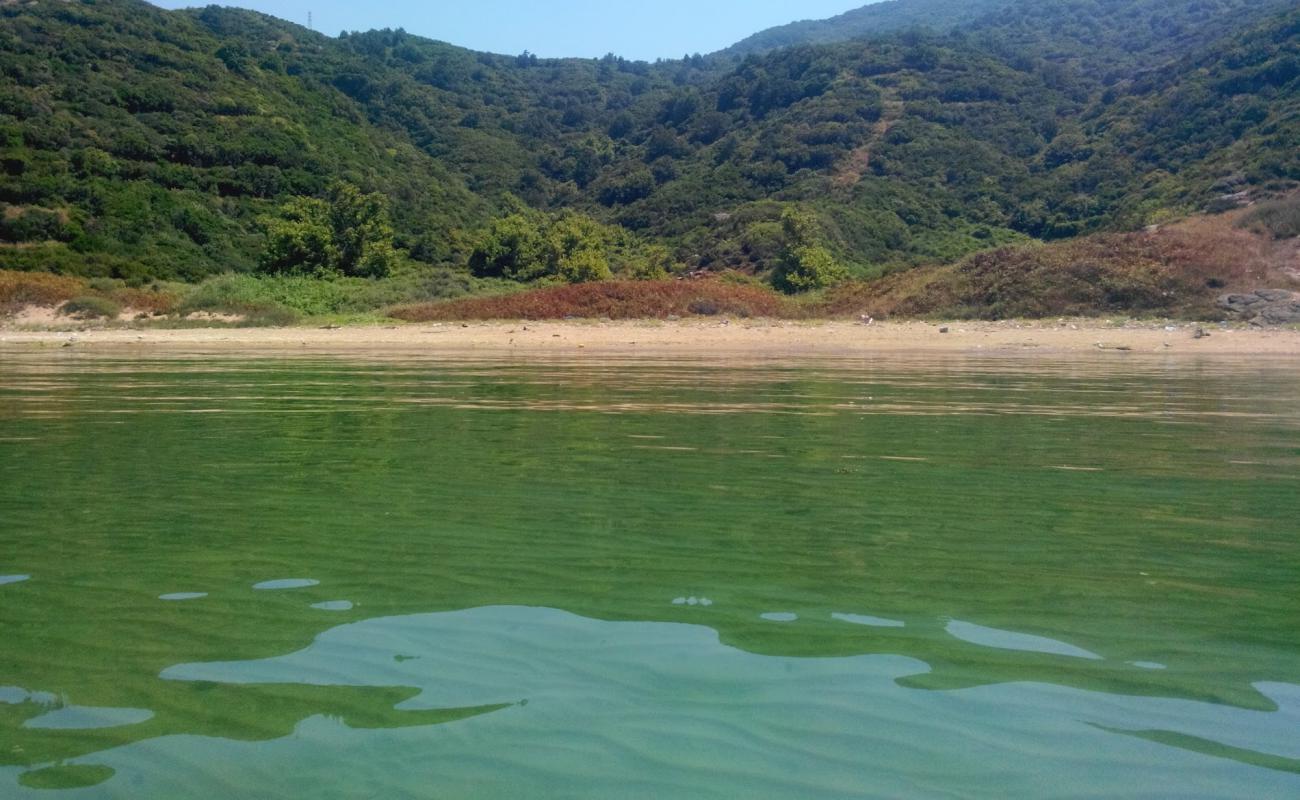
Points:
(694, 338)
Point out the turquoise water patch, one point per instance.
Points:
(286, 583)
(7, 579)
(85, 718)
(334, 605)
(13, 695)
(1010, 640)
(631, 691)
(869, 621)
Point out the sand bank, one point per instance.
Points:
(694, 337)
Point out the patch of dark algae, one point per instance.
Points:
(67, 776)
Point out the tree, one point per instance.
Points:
(348, 234)
(805, 264)
(528, 245)
(584, 266)
(298, 238)
(362, 233)
(511, 247)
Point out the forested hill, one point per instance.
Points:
(139, 143)
(1115, 37)
(888, 16)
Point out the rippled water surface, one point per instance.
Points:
(338, 577)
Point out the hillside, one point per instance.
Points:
(888, 16)
(140, 143)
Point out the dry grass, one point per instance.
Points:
(1177, 271)
(18, 289)
(147, 300)
(612, 300)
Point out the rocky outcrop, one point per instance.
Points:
(1264, 307)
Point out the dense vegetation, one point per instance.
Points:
(148, 145)
(889, 16)
(1179, 271)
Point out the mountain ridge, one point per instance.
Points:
(886, 16)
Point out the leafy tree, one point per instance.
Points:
(654, 262)
(584, 266)
(348, 234)
(805, 264)
(299, 239)
(530, 245)
(363, 236)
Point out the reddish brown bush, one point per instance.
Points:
(613, 299)
(18, 289)
(147, 300)
(1178, 271)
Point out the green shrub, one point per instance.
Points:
(91, 307)
(612, 299)
(301, 295)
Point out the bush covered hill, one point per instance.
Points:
(144, 144)
(889, 16)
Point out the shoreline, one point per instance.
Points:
(692, 337)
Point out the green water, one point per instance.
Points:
(404, 577)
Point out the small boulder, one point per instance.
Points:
(1264, 307)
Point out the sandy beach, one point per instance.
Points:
(692, 337)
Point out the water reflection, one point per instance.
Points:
(649, 709)
(85, 718)
(869, 621)
(285, 583)
(1010, 640)
(333, 605)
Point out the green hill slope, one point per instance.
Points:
(889, 16)
(142, 143)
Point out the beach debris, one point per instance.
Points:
(1200, 333)
(943, 330)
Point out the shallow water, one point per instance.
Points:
(918, 576)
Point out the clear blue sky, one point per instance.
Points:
(645, 29)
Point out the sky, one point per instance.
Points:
(645, 29)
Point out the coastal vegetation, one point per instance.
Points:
(1175, 271)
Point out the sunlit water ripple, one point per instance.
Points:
(947, 577)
